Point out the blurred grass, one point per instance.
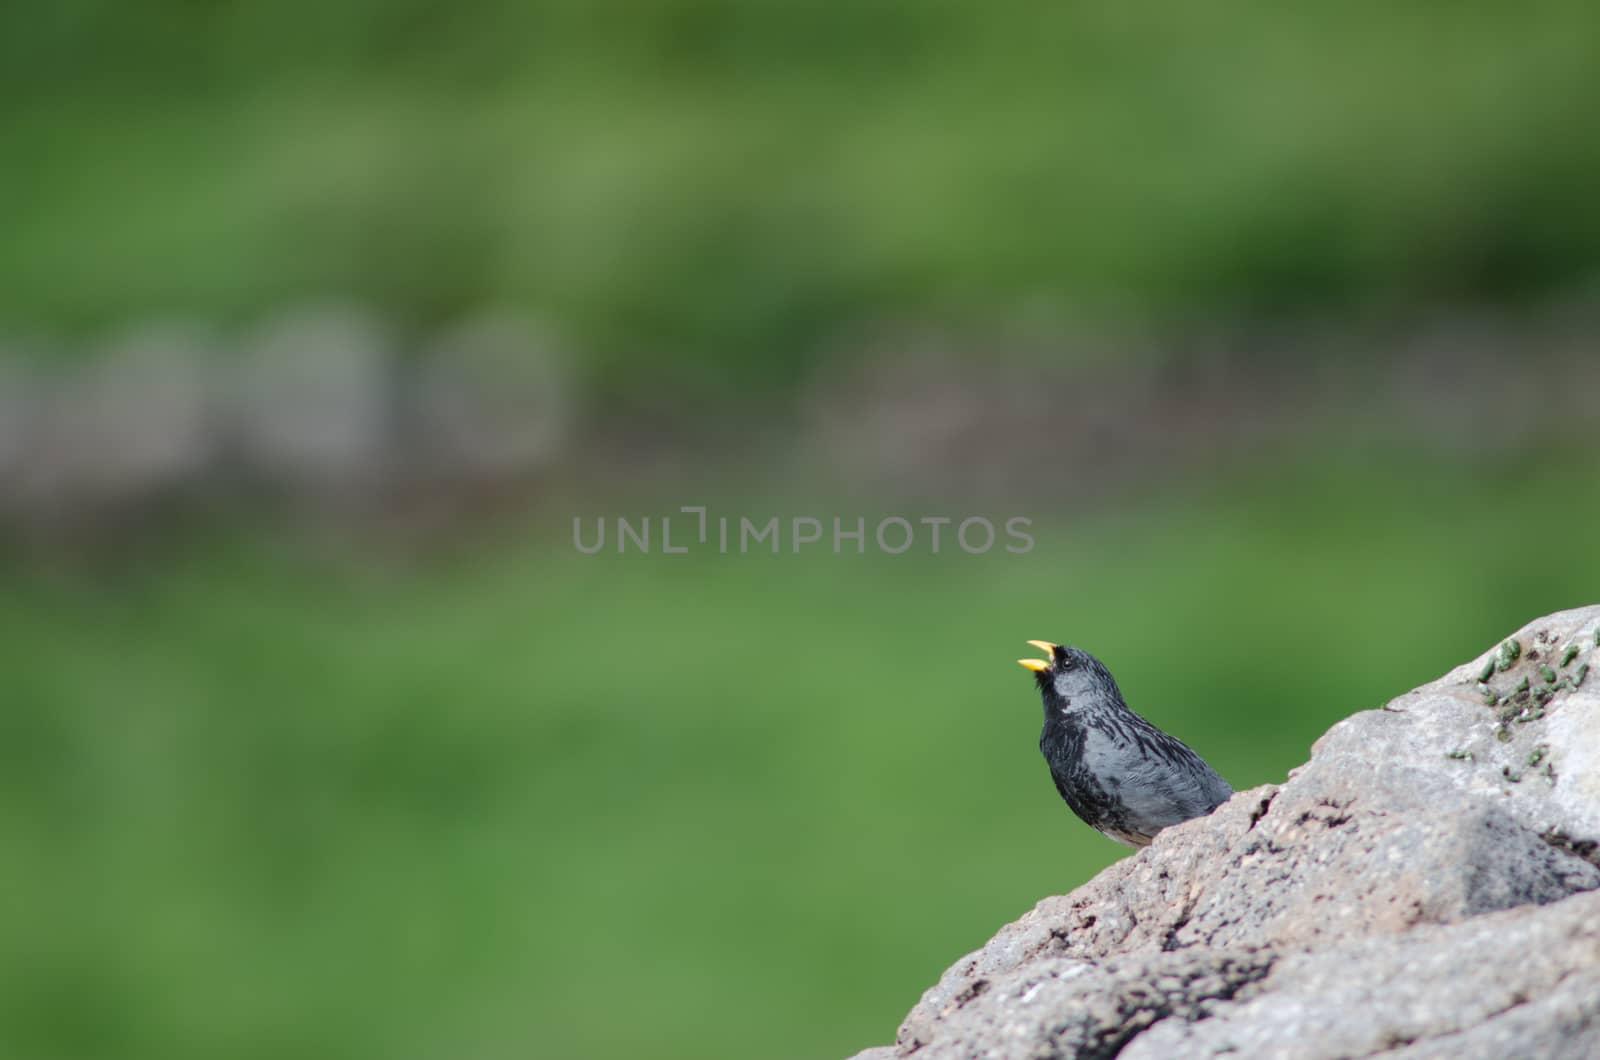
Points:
(534, 803)
(703, 193)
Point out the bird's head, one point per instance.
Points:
(1068, 676)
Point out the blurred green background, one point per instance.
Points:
(379, 765)
(726, 182)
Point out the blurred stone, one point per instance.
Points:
(492, 400)
(130, 421)
(309, 401)
(924, 413)
(1423, 885)
(19, 399)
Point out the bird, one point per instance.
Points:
(1119, 773)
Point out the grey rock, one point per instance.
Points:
(1433, 989)
(1061, 1006)
(309, 399)
(492, 400)
(18, 412)
(132, 420)
(1558, 792)
(1426, 883)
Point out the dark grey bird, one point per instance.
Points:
(1123, 776)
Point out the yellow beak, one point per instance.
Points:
(1039, 665)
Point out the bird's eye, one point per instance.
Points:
(1066, 663)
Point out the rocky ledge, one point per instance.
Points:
(1426, 885)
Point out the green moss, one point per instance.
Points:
(1569, 654)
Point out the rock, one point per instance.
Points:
(919, 413)
(491, 400)
(1427, 884)
(131, 421)
(310, 400)
(1452, 982)
(18, 403)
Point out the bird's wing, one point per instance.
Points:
(1159, 780)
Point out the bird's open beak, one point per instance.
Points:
(1040, 665)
